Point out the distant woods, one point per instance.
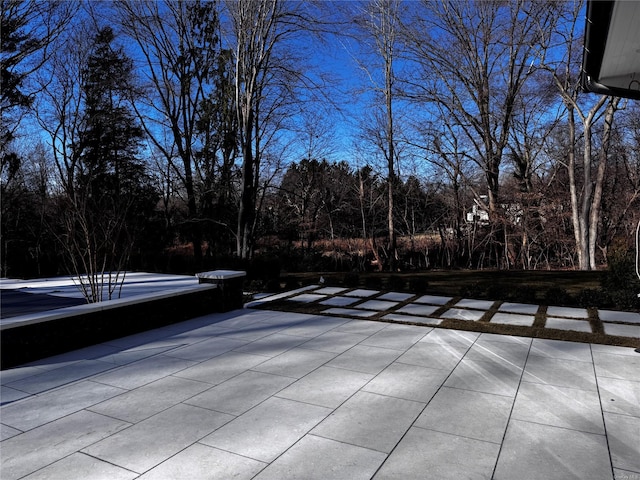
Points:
(369, 135)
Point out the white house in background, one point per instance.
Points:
(478, 214)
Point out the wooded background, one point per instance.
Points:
(185, 135)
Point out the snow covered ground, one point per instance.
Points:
(135, 283)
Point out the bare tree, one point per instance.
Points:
(473, 59)
(265, 80)
(380, 23)
(179, 45)
(586, 178)
(28, 30)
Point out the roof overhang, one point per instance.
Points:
(611, 57)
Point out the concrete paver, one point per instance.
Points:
(443, 456)
(273, 395)
(331, 460)
(513, 319)
(621, 330)
(532, 451)
(568, 324)
(370, 420)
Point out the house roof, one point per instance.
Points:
(611, 57)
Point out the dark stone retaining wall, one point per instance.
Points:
(26, 343)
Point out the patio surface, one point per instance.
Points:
(276, 395)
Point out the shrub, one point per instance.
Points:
(396, 282)
(474, 290)
(351, 280)
(557, 296)
(620, 281)
(418, 285)
(373, 281)
(593, 297)
(264, 267)
(272, 286)
(524, 294)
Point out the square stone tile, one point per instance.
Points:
(33, 450)
(477, 415)
(372, 421)
(579, 352)
(396, 296)
(398, 337)
(8, 395)
(612, 316)
(560, 372)
(533, 451)
(295, 363)
(60, 376)
(619, 396)
(253, 331)
(20, 373)
(239, 394)
(614, 365)
(351, 312)
(316, 458)
(326, 386)
(450, 336)
(443, 456)
(144, 402)
(513, 319)
(491, 338)
(313, 326)
(417, 309)
(201, 351)
(366, 359)
(487, 377)
(409, 382)
(333, 341)
(203, 462)
(142, 372)
(462, 314)
(154, 440)
(339, 301)
(40, 409)
(559, 407)
(475, 304)
(513, 354)
(568, 312)
(379, 305)
(361, 327)
(621, 330)
(79, 465)
(222, 367)
(433, 300)
(272, 345)
(433, 355)
(623, 433)
(7, 432)
(307, 298)
(613, 350)
(266, 431)
(361, 292)
(131, 355)
(412, 319)
(330, 290)
(568, 324)
(522, 308)
(625, 474)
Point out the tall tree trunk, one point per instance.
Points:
(594, 218)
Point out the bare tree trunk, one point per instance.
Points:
(594, 218)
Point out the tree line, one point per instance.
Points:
(138, 132)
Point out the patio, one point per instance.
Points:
(273, 395)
